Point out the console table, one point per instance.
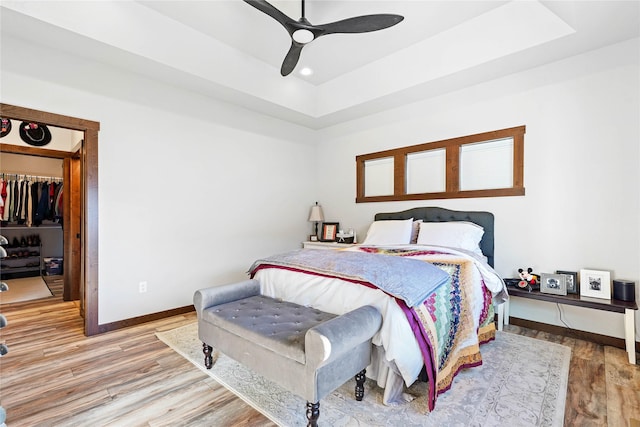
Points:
(625, 307)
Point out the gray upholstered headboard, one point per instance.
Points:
(433, 214)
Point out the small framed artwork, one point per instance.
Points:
(595, 283)
(571, 277)
(553, 284)
(313, 238)
(329, 231)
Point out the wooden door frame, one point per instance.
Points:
(72, 218)
(89, 193)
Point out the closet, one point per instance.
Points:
(32, 191)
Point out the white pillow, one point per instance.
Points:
(455, 234)
(391, 232)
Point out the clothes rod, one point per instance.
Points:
(37, 178)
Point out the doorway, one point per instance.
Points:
(80, 229)
(32, 267)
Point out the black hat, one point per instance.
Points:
(35, 134)
(6, 127)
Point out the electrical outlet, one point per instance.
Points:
(142, 287)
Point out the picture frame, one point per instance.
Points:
(553, 284)
(313, 238)
(571, 280)
(329, 231)
(595, 283)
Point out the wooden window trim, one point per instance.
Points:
(452, 147)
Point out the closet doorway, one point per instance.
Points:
(80, 227)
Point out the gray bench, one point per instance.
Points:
(306, 351)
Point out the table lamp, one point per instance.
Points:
(316, 216)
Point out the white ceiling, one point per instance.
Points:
(229, 50)
(332, 56)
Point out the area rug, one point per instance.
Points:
(522, 382)
(25, 289)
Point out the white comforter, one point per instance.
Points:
(398, 358)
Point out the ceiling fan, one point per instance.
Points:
(303, 32)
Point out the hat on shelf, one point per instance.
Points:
(35, 134)
(6, 127)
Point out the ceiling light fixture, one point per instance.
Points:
(302, 36)
(306, 71)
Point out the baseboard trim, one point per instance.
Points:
(107, 327)
(571, 333)
(544, 327)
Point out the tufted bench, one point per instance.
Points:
(306, 351)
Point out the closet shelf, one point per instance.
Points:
(33, 227)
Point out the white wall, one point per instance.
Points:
(581, 208)
(191, 190)
(30, 165)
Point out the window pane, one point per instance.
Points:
(426, 172)
(486, 165)
(378, 177)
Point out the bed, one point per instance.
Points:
(428, 270)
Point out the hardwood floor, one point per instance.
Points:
(603, 388)
(55, 284)
(54, 375)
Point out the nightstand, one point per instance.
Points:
(326, 245)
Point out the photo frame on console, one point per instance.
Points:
(595, 283)
(329, 231)
(571, 278)
(553, 284)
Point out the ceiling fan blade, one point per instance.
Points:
(269, 9)
(361, 24)
(291, 60)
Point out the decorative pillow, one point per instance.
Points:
(391, 232)
(415, 229)
(455, 234)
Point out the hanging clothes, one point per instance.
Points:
(42, 204)
(11, 204)
(3, 196)
(57, 203)
(7, 202)
(19, 200)
(29, 210)
(34, 202)
(27, 201)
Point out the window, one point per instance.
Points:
(489, 164)
(426, 171)
(379, 177)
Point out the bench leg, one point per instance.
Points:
(360, 377)
(208, 359)
(313, 413)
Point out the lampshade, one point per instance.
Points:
(316, 214)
